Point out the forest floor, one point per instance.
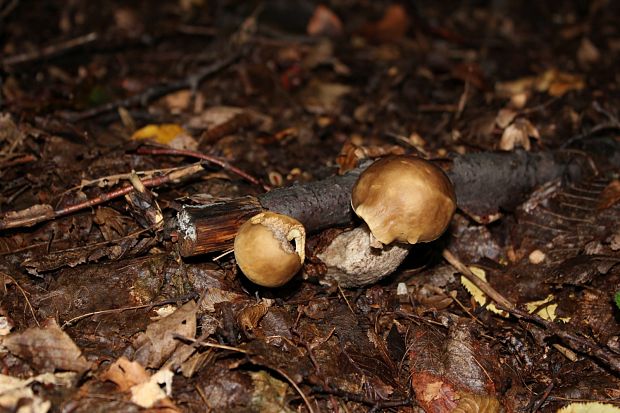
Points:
(115, 115)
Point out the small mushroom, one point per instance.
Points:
(403, 200)
(264, 251)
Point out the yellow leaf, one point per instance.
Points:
(592, 407)
(163, 133)
(477, 294)
(546, 312)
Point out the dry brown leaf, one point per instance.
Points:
(47, 348)
(518, 134)
(146, 390)
(392, 27)
(125, 374)
(323, 98)
(17, 395)
(249, 317)
(587, 53)
(157, 344)
(27, 217)
(324, 22)
(214, 295)
(552, 81)
(111, 223)
(505, 117)
(610, 195)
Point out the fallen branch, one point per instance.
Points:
(51, 50)
(486, 183)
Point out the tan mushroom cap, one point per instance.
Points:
(405, 199)
(263, 249)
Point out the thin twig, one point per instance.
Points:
(571, 340)
(29, 221)
(481, 284)
(210, 159)
(123, 309)
(51, 50)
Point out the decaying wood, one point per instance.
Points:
(202, 226)
(485, 183)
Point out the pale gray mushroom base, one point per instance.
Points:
(352, 262)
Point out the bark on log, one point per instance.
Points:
(485, 184)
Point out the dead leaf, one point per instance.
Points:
(587, 53)
(16, 395)
(146, 390)
(518, 134)
(323, 98)
(111, 223)
(552, 81)
(270, 394)
(545, 309)
(477, 294)
(157, 389)
(324, 22)
(125, 374)
(249, 317)
(610, 195)
(505, 117)
(392, 27)
(214, 295)
(157, 344)
(591, 407)
(47, 348)
(169, 134)
(27, 217)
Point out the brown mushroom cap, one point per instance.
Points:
(405, 199)
(263, 250)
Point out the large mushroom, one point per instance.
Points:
(403, 200)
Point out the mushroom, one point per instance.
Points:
(264, 248)
(403, 200)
